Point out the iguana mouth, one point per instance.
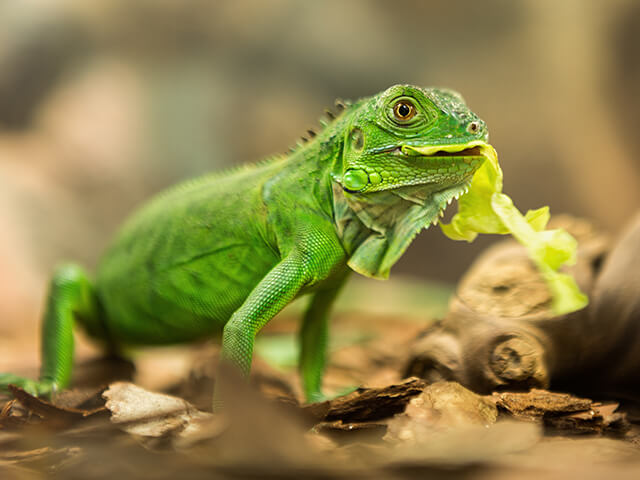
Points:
(467, 152)
(472, 149)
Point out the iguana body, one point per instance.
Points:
(228, 251)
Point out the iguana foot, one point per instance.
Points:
(38, 388)
(321, 397)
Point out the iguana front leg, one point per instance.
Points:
(314, 337)
(316, 255)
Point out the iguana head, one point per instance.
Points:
(411, 136)
(408, 152)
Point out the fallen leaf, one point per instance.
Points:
(54, 416)
(140, 412)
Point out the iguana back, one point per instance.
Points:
(205, 235)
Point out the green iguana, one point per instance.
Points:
(227, 251)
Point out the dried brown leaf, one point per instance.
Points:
(140, 412)
(54, 416)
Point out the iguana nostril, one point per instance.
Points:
(473, 127)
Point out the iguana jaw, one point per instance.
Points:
(438, 167)
(463, 160)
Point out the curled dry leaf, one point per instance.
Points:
(140, 412)
(53, 415)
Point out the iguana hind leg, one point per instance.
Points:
(71, 297)
(314, 337)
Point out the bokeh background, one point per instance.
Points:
(104, 102)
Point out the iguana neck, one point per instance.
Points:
(377, 228)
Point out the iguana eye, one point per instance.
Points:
(404, 110)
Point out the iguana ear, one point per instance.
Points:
(344, 151)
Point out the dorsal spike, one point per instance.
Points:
(328, 117)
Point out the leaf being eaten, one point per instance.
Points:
(485, 209)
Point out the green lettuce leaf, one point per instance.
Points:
(485, 209)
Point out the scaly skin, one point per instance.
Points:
(228, 251)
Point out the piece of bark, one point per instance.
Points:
(599, 419)
(539, 403)
(370, 404)
(564, 413)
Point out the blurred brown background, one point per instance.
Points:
(104, 102)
